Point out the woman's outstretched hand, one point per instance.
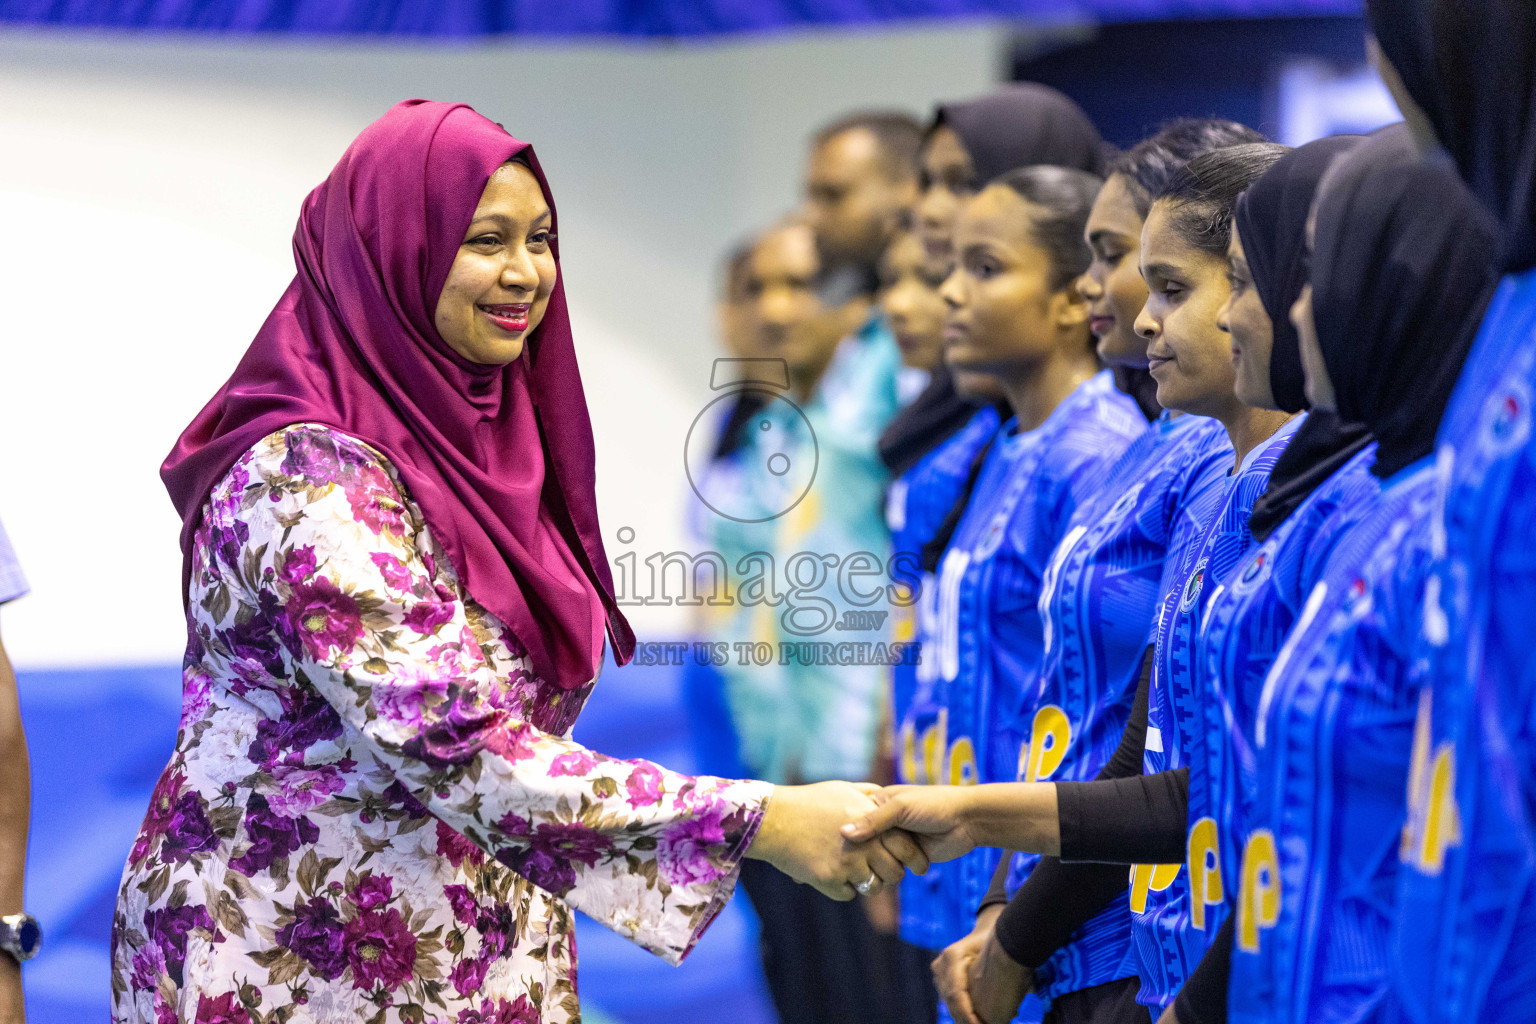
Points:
(801, 836)
(934, 815)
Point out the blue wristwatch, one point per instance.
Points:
(21, 936)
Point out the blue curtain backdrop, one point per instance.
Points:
(639, 18)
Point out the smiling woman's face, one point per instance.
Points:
(499, 285)
(1189, 356)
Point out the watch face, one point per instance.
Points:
(28, 937)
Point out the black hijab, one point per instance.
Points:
(1017, 125)
(1271, 220)
(1470, 65)
(1021, 124)
(1404, 261)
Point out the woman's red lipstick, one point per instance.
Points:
(511, 317)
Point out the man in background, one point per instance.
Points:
(859, 181)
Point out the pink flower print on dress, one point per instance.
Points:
(683, 856)
(372, 891)
(381, 949)
(224, 1009)
(575, 763)
(327, 619)
(457, 847)
(411, 695)
(395, 574)
(373, 502)
(643, 787)
(427, 617)
(299, 565)
(303, 789)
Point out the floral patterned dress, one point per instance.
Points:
(374, 812)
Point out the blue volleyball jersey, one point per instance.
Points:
(1097, 601)
(916, 506)
(1245, 622)
(1318, 885)
(1173, 920)
(1465, 948)
(971, 719)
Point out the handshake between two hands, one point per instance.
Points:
(848, 838)
(845, 838)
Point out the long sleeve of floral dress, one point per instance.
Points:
(374, 812)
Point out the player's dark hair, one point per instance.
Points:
(1149, 165)
(1065, 195)
(1203, 194)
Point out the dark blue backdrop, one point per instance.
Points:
(470, 18)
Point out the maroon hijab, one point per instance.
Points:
(352, 345)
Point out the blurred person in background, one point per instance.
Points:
(800, 721)
(716, 745)
(860, 181)
(915, 504)
(19, 934)
(971, 142)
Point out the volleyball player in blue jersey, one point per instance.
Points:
(1016, 319)
(1465, 948)
(1402, 270)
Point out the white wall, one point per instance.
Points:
(148, 190)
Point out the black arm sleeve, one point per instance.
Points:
(1057, 899)
(1123, 816)
(1203, 999)
(997, 891)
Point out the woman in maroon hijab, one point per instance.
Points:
(397, 601)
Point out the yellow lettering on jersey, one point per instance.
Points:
(1442, 822)
(1147, 878)
(934, 745)
(1258, 904)
(1205, 883)
(906, 759)
(962, 762)
(1047, 746)
(1434, 821)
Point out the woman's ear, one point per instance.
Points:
(1068, 308)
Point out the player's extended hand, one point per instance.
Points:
(952, 968)
(801, 836)
(933, 815)
(999, 983)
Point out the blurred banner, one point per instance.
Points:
(471, 18)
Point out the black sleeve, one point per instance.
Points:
(997, 892)
(1123, 816)
(1057, 899)
(1203, 999)
(1126, 760)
